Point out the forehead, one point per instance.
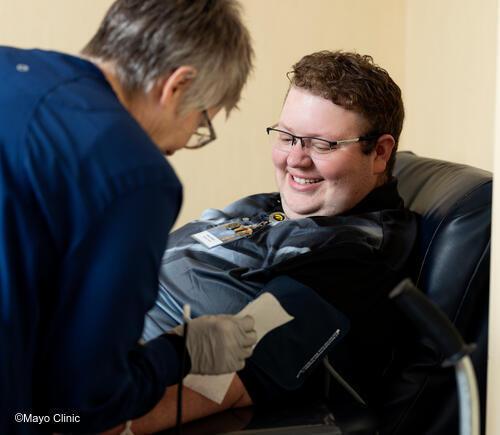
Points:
(307, 114)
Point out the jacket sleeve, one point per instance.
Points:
(108, 280)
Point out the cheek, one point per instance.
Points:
(329, 170)
(188, 123)
(341, 168)
(279, 159)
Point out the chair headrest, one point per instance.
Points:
(454, 202)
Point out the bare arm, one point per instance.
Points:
(194, 406)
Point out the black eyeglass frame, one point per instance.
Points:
(332, 144)
(210, 127)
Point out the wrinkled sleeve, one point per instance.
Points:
(108, 281)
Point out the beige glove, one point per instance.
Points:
(218, 344)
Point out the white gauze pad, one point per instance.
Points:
(268, 314)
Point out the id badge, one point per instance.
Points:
(224, 233)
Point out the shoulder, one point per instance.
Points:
(71, 144)
(79, 128)
(30, 76)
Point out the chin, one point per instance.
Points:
(301, 212)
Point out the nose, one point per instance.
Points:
(297, 156)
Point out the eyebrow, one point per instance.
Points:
(284, 127)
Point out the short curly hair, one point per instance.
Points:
(356, 83)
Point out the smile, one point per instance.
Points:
(306, 180)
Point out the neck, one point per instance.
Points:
(135, 104)
(381, 180)
(109, 71)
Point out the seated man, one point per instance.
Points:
(337, 225)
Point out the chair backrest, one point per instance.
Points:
(452, 268)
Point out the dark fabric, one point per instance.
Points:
(86, 204)
(289, 353)
(352, 261)
(355, 279)
(452, 268)
(178, 343)
(224, 278)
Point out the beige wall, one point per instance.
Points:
(63, 25)
(450, 57)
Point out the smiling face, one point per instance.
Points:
(322, 187)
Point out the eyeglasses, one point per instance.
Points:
(315, 147)
(203, 135)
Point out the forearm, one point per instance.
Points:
(194, 406)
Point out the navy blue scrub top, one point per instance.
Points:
(87, 201)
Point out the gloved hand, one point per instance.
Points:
(218, 344)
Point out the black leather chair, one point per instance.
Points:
(452, 268)
(454, 202)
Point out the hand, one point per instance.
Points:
(218, 344)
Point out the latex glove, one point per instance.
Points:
(218, 344)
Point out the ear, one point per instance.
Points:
(172, 88)
(383, 150)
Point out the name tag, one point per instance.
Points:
(207, 239)
(231, 231)
(224, 233)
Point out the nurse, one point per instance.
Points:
(87, 200)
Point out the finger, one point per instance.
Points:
(238, 365)
(245, 352)
(248, 339)
(246, 323)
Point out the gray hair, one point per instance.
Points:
(146, 39)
